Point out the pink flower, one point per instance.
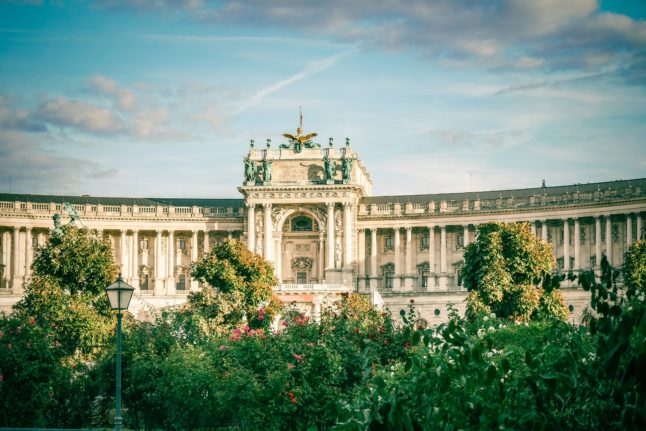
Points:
(57, 343)
(1, 378)
(261, 317)
(285, 323)
(251, 332)
(9, 346)
(311, 344)
(246, 327)
(223, 347)
(299, 358)
(53, 325)
(290, 366)
(1, 334)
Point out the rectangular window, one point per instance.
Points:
(389, 279)
(424, 279)
(182, 244)
(181, 282)
(143, 244)
(389, 243)
(143, 282)
(424, 242)
(301, 277)
(593, 261)
(34, 241)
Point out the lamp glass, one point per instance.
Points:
(119, 294)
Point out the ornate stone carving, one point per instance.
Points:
(302, 262)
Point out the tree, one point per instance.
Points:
(635, 266)
(42, 344)
(241, 283)
(502, 271)
(69, 275)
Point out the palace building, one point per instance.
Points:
(309, 209)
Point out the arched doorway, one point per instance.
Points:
(302, 249)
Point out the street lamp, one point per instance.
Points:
(119, 294)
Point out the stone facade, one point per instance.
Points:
(309, 210)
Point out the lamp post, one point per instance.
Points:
(119, 294)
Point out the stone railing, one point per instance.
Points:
(600, 196)
(314, 287)
(36, 208)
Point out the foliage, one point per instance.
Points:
(635, 266)
(46, 344)
(502, 270)
(243, 283)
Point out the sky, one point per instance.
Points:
(159, 98)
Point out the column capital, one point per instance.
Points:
(408, 229)
(171, 231)
(135, 230)
(194, 232)
(361, 230)
(330, 204)
(15, 228)
(347, 204)
(266, 205)
(431, 226)
(122, 231)
(28, 228)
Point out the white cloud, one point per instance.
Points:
(78, 114)
(124, 98)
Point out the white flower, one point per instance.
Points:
(486, 318)
(492, 315)
(481, 332)
(489, 354)
(491, 329)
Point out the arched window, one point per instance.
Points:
(301, 224)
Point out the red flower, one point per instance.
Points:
(32, 321)
(57, 343)
(291, 395)
(53, 325)
(290, 366)
(9, 346)
(299, 358)
(356, 329)
(406, 344)
(381, 330)
(1, 378)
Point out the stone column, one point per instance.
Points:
(609, 238)
(230, 234)
(269, 240)
(28, 252)
(533, 225)
(16, 285)
(408, 258)
(251, 231)
(278, 243)
(347, 233)
(321, 258)
(577, 245)
(640, 227)
(170, 271)
(544, 230)
(566, 245)
(374, 274)
(597, 241)
(431, 249)
(207, 246)
(330, 235)
(466, 235)
(135, 260)
(123, 264)
(443, 278)
(193, 256)
(158, 262)
(629, 229)
(361, 258)
(397, 275)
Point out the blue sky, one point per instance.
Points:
(159, 98)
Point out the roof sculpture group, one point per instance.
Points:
(296, 143)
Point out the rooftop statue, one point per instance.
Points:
(298, 141)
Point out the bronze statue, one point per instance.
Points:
(346, 168)
(266, 170)
(249, 170)
(330, 168)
